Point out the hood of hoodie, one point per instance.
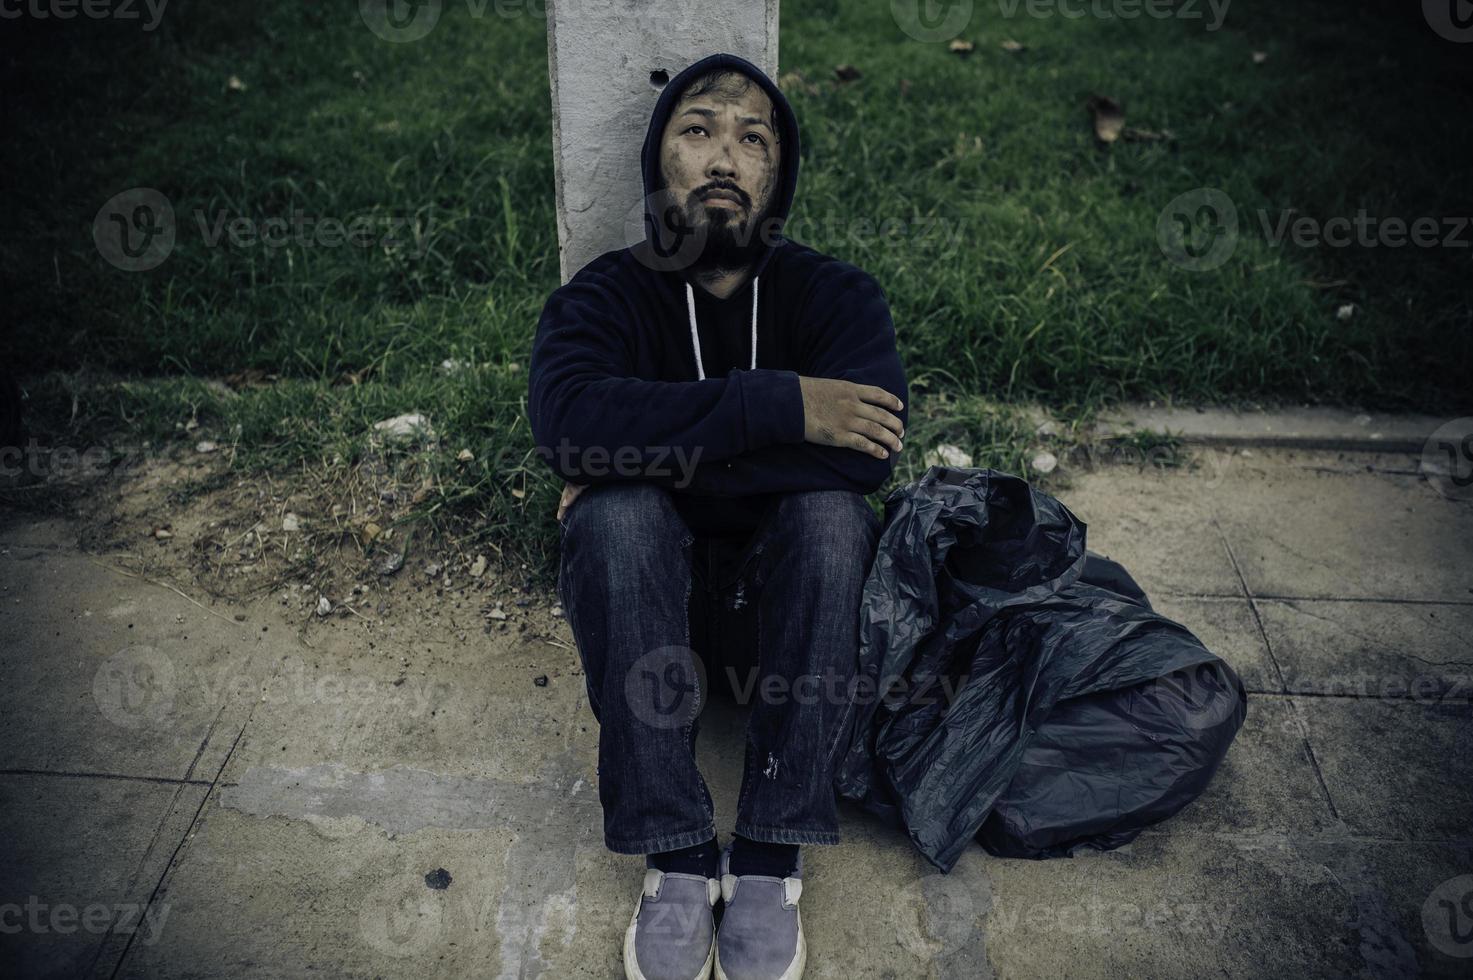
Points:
(787, 133)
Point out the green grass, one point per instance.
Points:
(1027, 270)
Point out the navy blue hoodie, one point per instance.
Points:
(615, 389)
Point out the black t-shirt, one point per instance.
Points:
(725, 329)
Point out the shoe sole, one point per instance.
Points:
(794, 970)
(631, 962)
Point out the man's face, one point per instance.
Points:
(720, 159)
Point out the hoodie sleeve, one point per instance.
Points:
(851, 338)
(596, 423)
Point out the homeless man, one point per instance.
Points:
(718, 399)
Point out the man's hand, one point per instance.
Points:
(855, 416)
(570, 494)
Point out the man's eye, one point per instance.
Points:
(691, 129)
(756, 137)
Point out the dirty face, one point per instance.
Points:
(720, 158)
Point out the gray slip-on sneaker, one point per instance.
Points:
(672, 934)
(761, 936)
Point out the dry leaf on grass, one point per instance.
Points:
(791, 81)
(1109, 117)
(1013, 46)
(846, 73)
(958, 46)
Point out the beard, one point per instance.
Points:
(684, 234)
(728, 241)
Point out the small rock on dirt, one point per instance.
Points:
(949, 455)
(403, 427)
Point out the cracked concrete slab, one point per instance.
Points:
(1301, 531)
(1266, 784)
(1158, 524)
(107, 673)
(1396, 768)
(1226, 627)
(472, 709)
(1222, 905)
(79, 859)
(1419, 651)
(408, 795)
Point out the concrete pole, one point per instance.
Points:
(608, 60)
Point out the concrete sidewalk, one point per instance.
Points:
(194, 790)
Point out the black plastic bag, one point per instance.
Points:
(1018, 689)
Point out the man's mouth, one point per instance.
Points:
(719, 195)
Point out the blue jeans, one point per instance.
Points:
(658, 617)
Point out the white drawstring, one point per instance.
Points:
(695, 338)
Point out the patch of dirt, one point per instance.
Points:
(319, 549)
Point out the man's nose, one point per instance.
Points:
(723, 164)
